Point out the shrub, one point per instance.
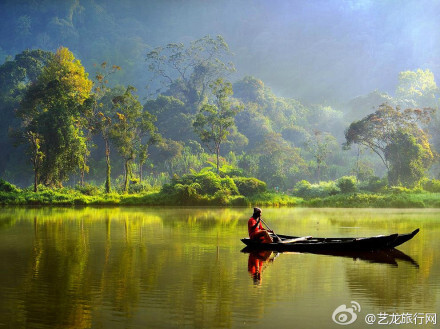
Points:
(206, 183)
(302, 188)
(88, 189)
(186, 194)
(431, 185)
(229, 186)
(222, 197)
(249, 186)
(375, 184)
(138, 187)
(240, 201)
(307, 190)
(347, 184)
(399, 190)
(7, 187)
(209, 182)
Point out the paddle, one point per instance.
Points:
(279, 239)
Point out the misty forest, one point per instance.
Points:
(321, 103)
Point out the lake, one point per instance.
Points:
(183, 268)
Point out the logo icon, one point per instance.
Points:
(344, 315)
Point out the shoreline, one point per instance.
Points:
(55, 198)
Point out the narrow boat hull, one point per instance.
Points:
(381, 242)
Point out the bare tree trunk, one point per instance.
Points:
(217, 149)
(107, 159)
(126, 176)
(35, 178)
(140, 172)
(82, 176)
(318, 171)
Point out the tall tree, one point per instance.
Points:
(15, 77)
(379, 132)
(100, 117)
(52, 108)
(215, 120)
(319, 145)
(132, 131)
(186, 71)
(408, 158)
(33, 142)
(278, 162)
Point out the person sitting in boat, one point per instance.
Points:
(256, 229)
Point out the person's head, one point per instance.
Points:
(257, 212)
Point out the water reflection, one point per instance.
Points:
(389, 257)
(169, 268)
(257, 262)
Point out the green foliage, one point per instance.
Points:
(187, 70)
(248, 186)
(51, 110)
(347, 184)
(207, 187)
(215, 121)
(418, 88)
(402, 190)
(7, 187)
(15, 77)
(320, 144)
(374, 184)
(88, 189)
(305, 189)
(267, 199)
(207, 183)
(133, 130)
(397, 138)
(279, 163)
(250, 90)
(174, 118)
(367, 200)
(408, 159)
(431, 185)
(138, 187)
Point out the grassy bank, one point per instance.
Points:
(376, 200)
(71, 197)
(210, 189)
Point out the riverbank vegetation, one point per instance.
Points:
(212, 190)
(204, 135)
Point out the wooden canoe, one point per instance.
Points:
(311, 244)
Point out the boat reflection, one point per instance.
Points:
(390, 257)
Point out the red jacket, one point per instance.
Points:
(253, 228)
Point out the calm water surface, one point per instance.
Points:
(182, 268)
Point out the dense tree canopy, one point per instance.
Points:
(387, 132)
(51, 109)
(15, 77)
(197, 120)
(186, 71)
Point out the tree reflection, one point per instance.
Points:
(180, 267)
(54, 287)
